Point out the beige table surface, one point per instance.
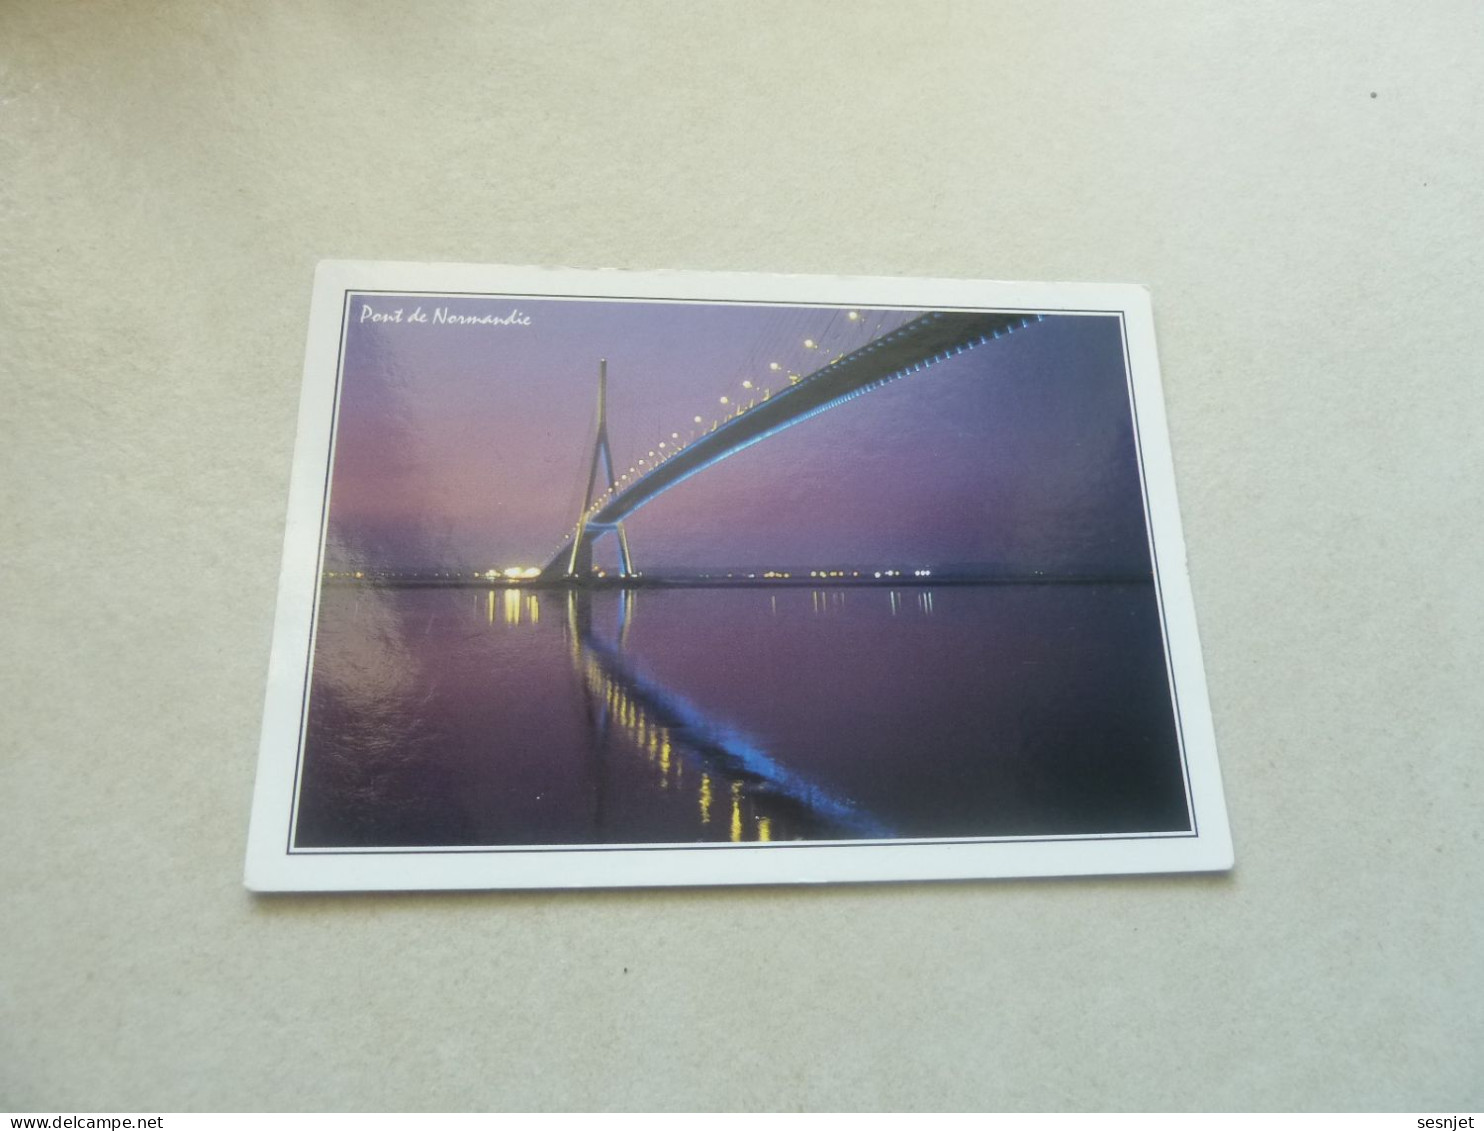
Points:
(1300, 187)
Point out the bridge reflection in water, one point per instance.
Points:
(526, 716)
(740, 793)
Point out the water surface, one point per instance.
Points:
(461, 717)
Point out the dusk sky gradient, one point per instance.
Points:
(467, 446)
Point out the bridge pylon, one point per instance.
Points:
(579, 563)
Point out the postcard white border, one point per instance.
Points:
(272, 867)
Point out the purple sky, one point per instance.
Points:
(468, 445)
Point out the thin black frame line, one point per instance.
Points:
(713, 846)
(319, 566)
(347, 293)
(1164, 625)
(730, 301)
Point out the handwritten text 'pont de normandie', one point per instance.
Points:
(441, 315)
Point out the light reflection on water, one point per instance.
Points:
(668, 732)
(519, 716)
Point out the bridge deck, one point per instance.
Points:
(924, 341)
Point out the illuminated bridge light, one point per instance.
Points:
(773, 365)
(854, 316)
(697, 419)
(726, 400)
(705, 799)
(809, 343)
(747, 384)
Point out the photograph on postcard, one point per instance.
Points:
(601, 571)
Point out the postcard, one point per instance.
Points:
(602, 578)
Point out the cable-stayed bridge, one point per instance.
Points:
(924, 341)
